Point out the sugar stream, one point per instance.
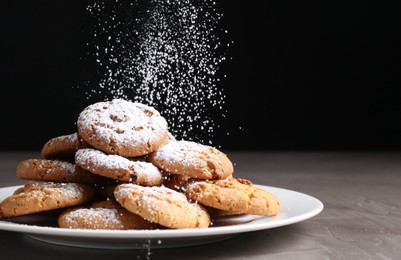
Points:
(164, 53)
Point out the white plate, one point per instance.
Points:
(296, 207)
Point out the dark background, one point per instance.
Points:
(321, 75)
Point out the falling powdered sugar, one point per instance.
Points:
(164, 54)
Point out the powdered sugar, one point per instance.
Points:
(71, 138)
(98, 159)
(93, 217)
(160, 193)
(66, 166)
(118, 167)
(183, 152)
(69, 190)
(121, 121)
(145, 170)
(54, 191)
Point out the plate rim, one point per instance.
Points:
(168, 233)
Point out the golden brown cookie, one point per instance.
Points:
(238, 195)
(192, 159)
(107, 214)
(117, 167)
(63, 147)
(221, 194)
(122, 127)
(260, 201)
(56, 171)
(36, 197)
(162, 205)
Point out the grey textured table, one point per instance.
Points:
(361, 218)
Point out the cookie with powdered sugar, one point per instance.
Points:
(162, 205)
(122, 127)
(106, 214)
(192, 159)
(56, 171)
(63, 147)
(35, 197)
(117, 167)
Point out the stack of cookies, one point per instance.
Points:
(123, 169)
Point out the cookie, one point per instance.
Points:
(122, 127)
(221, 194)
(260, 201)
(162, 205)
(63, 147)
(192, 159)
(56, 171)
(237, 195)
(117, 167)
(107, 214)
(37, 197)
